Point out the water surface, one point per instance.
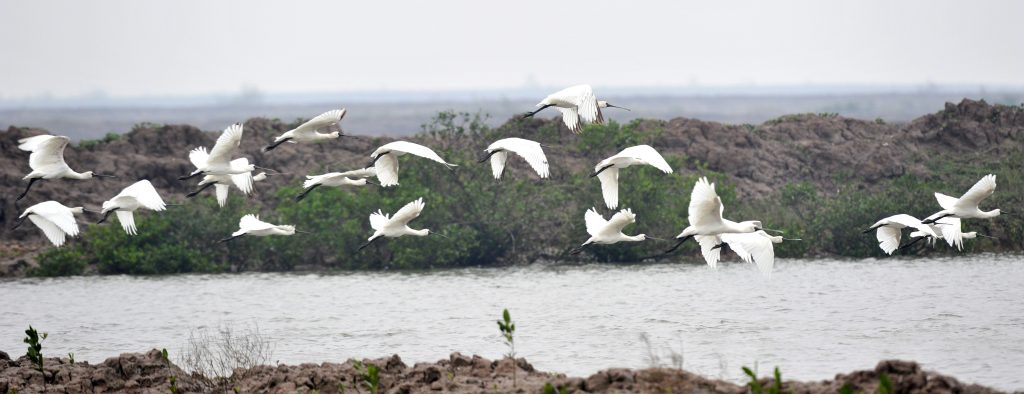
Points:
(960, 316)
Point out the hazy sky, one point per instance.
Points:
(148, 48)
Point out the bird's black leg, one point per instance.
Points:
(577, 250)
(488, 156)
(105, 216)
(930, 221)
(367, 244)
(206, 186)
(230, 238)
(680, 243)
(871, 228)
(305, 192)
(18, 222)
(189, 176)
(601, 170)
(911, 243)
(271, 147)
(529, 114)
(30, 182)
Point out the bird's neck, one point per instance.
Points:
(79, 175)
(990, 214)
(635, 238)
(418, 233)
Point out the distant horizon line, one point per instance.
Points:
(247, 95)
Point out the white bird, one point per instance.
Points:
(47, 160)
(252, 225)
(310, 131)
(385, 159)
(949, 230)
(890, 230)
(966, 207)
(335, 179)
(56, 220)
(705, 215)
(606, 232)
(756, 248)
(608, 169)
(578, 106)
(219, 161)
(222, 183)
(140, 194)
(398, 225)
(529, 150)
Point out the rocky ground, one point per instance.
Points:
(149, 373)
(823, 149)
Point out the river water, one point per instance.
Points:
(960, 316)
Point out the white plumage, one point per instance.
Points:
(705, 215)
(252, 225)
(605, 232)
(47, 160)
(966, 207)
(530, 151)
(578, 105)
(55, 220)
(219, 161)
(608, 169)
(397, 225)
(140, 194)
(889, 230)
(222, 183)
(756, 247)
(336, 179)
(385, 159)
(311, 130)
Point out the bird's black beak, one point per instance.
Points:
(104, 175)
(105, 216)
(719, 246)
(616, 106)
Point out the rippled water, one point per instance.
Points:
(962, 316)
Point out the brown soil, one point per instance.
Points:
(148, 373)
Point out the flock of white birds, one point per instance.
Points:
(221, 169)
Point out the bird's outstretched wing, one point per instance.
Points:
(910, 221)
(361, 173)
(571, 119)
(415, 149)
(252, 222)
(951, 232)
(226, 145)
(595, 222)
(221, 190)
(946, 202)
(378, 220)
(127, 220)
(980, 191)
(50, 230)
(59, 215)
(323, 120)
(48, 152)
(648, 155)
(531, 151)
(586, 103)
(498, 160)
(610, 186)
(409, 212)
(621, 219)
(754, 248)
(707, 248)
(386, 168)
(242, 181)
(705, 205)
(198, 157)
(145, 194)
(30, 144)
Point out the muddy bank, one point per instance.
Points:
(149, 373)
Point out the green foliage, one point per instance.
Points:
(550, 389)
(508, 331)
(885, 384)
(71, 358)
(370, 375)
(755, 384)
(35, 347)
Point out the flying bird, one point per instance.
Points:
(529, 150)
(47, 160)
(385, 159)
(966, 207)
(56, 220)
(222, 183)
(218, 161)
(608, 169)
(398, 225)
(578, 106)
(311, 130)
(889, 231)
(757, 248)
(335, 179)
(606, 232)
(949, 229)
(252, 225)
(705, 215)
(140, 194)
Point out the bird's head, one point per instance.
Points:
(286, 229)
(605, 104)
(334, 135)
(751, 226)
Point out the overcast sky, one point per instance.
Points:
(154, 48)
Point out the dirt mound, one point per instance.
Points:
(148, 373)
